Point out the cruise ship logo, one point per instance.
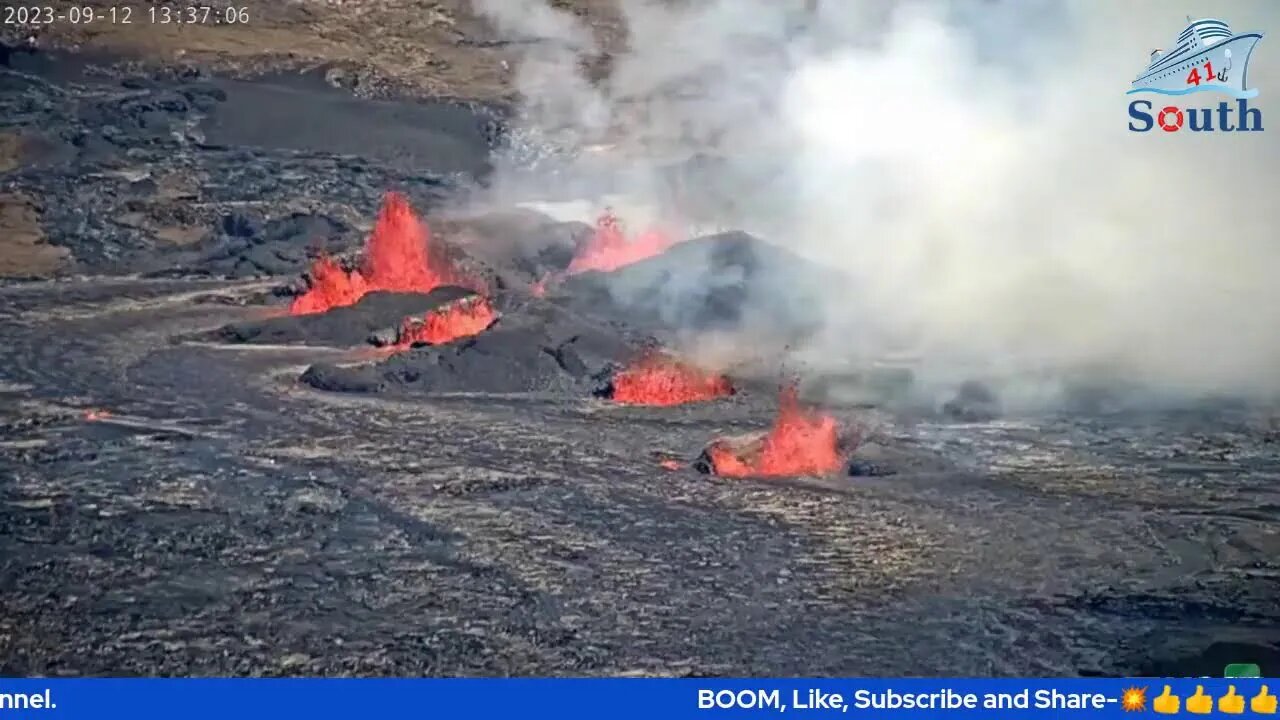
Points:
(1207, 57)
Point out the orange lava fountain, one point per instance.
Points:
(459, 319)
(609, 249)
(331, 287)
(659, 379)
(398, 256)
(801, 442)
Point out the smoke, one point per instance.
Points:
(968, 165)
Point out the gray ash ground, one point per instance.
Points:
(172, 505)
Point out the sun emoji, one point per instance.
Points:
(1134, 699)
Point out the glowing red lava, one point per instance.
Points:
(658, 379)
(463, 318)
(609, 249)
(94, 414)
(398, 256)
(801, 442)
(331, 286)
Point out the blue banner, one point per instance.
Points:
(665, 699)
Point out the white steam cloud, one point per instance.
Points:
(967, 164)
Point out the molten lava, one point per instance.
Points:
(398, 256)
(331, 286)
(463, 318)
(658, 379)
(801, 442)
(609, 249)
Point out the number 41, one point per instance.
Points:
(1194, 78)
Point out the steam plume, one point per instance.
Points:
(967, 164)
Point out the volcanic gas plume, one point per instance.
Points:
(397, 257)
(801, 442)
(461, 318)
(659, 379)
(609, 248)
(538, 288)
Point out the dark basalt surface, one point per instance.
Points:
(187, 171)
(447, 137)
(176, 508)
(243, 246)
(536, 348)
(728, 281)
(342, 326)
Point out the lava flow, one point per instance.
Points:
(801, 442)
(398, 256)
(609, 249)
(659, 379)
(462, 318)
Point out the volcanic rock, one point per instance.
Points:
(383, 337)
(299, 114)
(23, 249)
(343, 326)
(874, 458)
(538, 348)
(727, 281)
(101, 151)
(241, 246)
(866, 468)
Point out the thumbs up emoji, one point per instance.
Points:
(1165, 703)
(1231, 702)
(1199, 703)
(1262, 703)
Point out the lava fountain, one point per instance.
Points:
(608, 248)
(659, 379)
(398, 256)
(801, 442)
(461, 318)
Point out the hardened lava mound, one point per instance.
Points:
(566, 310)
